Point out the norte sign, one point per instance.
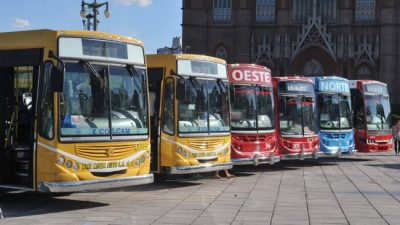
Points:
(249, 75)
(334, 86)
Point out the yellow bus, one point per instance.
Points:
(74, 111)
(189, 114)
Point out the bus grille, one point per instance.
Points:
(206, 144)
(110, 152)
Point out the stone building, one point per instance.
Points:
(176, 47)
(356, 39)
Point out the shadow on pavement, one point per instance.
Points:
(345, 159)
(29, 204)
(388, 166)
(159, 184)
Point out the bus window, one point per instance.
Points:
(168, 108)
(128, 105)
(359, 122)
(46, 104)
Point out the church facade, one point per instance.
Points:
(355, 39)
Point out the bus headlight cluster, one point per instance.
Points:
(60, 160)
(142, 159)
(371, 141)
(182, 152)
(75, 166)
(68, 163)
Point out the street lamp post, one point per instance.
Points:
(94, 7)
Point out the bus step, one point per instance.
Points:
(22, 174)
(22, 152)
(22, 178)
(23, 165)
(22, 148)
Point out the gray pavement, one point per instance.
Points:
(362, 189)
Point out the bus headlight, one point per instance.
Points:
(179, 150)
(147, 154)
(137, 163)
(60, 160)
(184, 153)
(142, 159)
(68, 164)
(75, 166)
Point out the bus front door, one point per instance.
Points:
(155, 79)
(16, 123)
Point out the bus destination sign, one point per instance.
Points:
(297, 87)
(249, 76)
(334, 86)
(376, 88)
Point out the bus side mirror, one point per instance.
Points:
(180, 89)
(57, 79)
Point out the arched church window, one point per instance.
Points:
(325, 9)
(313, 68)
(222, 11)
(365, 11)
(363, 72)
(265, 11)
(222, 53)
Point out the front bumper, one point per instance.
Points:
(199, 169)
(338, 153)
(301, 155)
(256, 160)
(76, 186)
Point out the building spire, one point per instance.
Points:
(314, 9)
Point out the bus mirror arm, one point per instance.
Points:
(57, 74)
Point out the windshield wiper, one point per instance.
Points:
(132, 71)
(94, 72)
(221, 84)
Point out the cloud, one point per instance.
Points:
(141, 3)
(21, 23)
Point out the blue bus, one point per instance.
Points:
(334, 116)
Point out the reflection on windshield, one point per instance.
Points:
(252, 107)
(335, 112)
(377, 112)
(85, 104)
(205, 108)
(128, 100)
(296, 115)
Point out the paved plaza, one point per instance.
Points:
(362, 189)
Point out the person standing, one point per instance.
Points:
(396, 136)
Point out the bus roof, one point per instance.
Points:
(294, 77)
(353, 83)
(45, 37)
(155, 60)
(255, 66)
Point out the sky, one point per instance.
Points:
(155, 22)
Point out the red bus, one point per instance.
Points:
(371, 118)
(296, 117)
(252, 115)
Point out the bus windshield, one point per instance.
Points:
(113, 102)
(377, 112)
(205, 107)
(335, 112)
(296, 115)
(252, 107)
